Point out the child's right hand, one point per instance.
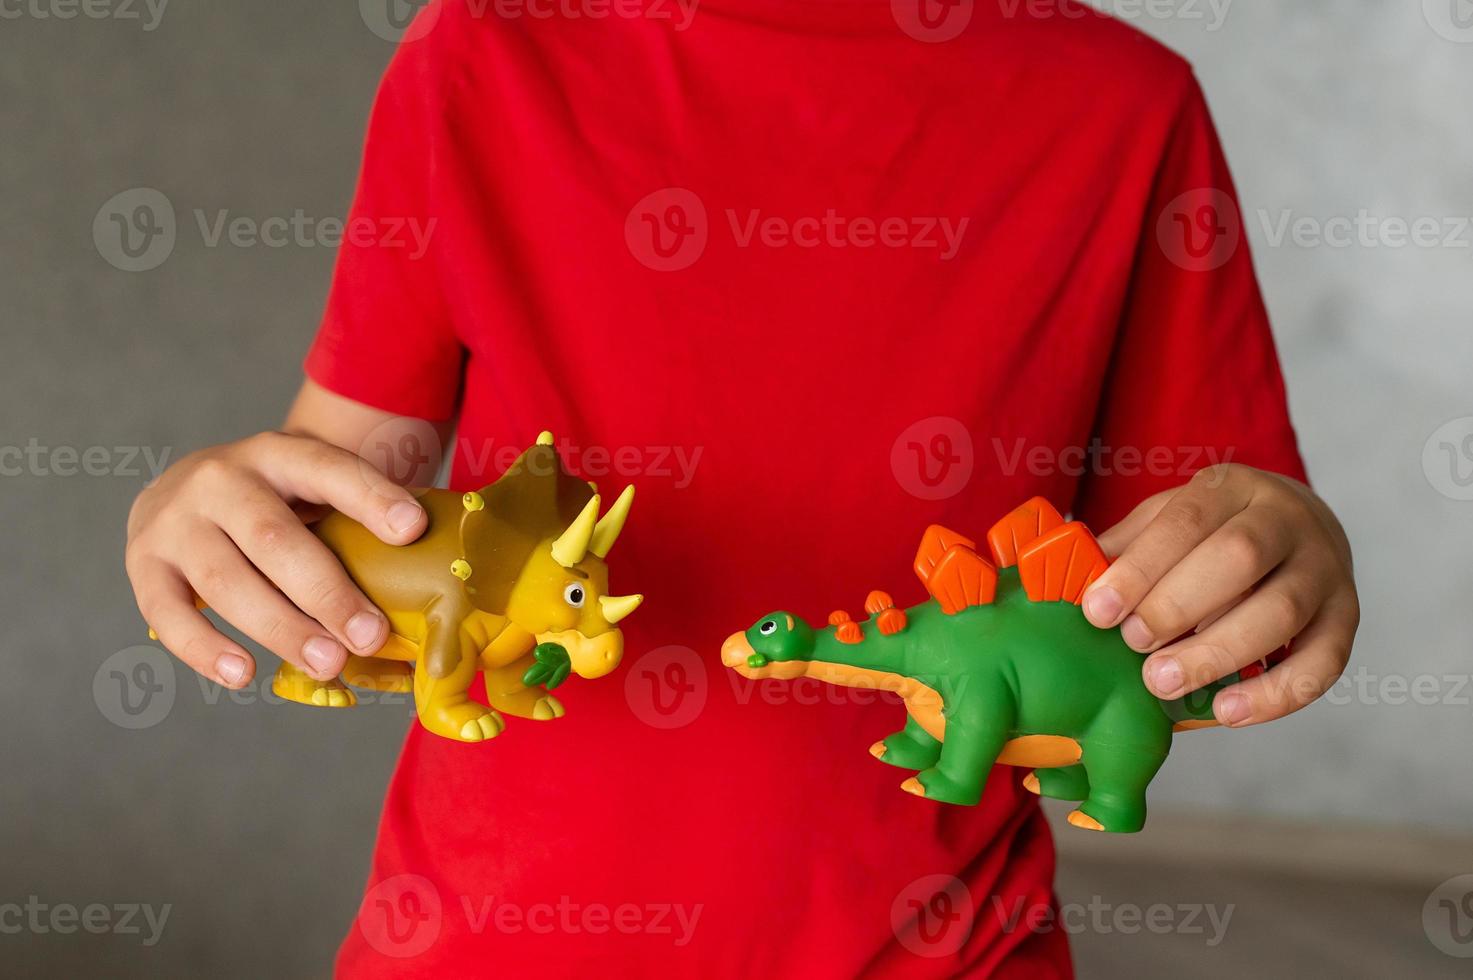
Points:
(220, 524)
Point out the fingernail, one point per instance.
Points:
(322, 654)
(363, 629)
(1102, 606)
(231, 669)
(403, 516)
(1137, 634)
(1165, 677)
(1233, 709)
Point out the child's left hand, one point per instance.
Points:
(1241, 561)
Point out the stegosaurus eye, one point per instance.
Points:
(768, 627)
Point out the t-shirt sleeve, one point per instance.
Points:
(1194, 378)
(386, 337)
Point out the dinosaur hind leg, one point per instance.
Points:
(1117, 778)
(910, 748)
(1064, 783)
(294, 684)
(390, 676)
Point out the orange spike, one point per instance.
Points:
(838, 617)
(891, 621)
(962, 579)
(934, 545)
(849, 632)
(878, 602)
(1059, 565)
(1013, 533)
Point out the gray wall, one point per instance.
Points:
(252, 821)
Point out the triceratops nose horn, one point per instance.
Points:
(616, 607)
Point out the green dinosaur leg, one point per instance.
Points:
(910, 748)
(973, 740)
(1065, 783)
(1118, 777)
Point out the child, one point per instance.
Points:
(812, 283)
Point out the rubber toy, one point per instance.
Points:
(999, 665)
(509, 580)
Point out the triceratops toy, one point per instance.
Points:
(509, 580)
(998, 666)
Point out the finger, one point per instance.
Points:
(1264, 622)
(1231, 561)
(230, 585)
(1113, 541)
(1185, 520)
(1320, 654)
(319, 473)
(271, 536)
(167, 605)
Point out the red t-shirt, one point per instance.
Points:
(813, 278)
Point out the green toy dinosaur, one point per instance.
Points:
(999, 666)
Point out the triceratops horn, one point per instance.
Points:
(616, 607)
(572, 544)
(607, 530)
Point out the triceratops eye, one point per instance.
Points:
(768, 628)
(573, 595)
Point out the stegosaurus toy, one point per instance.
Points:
(998, 666)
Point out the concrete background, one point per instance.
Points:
(253, 822)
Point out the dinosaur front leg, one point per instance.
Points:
(507, 693)
(975, 736)
(1118, 778)
(442, 676)
(910, 748)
